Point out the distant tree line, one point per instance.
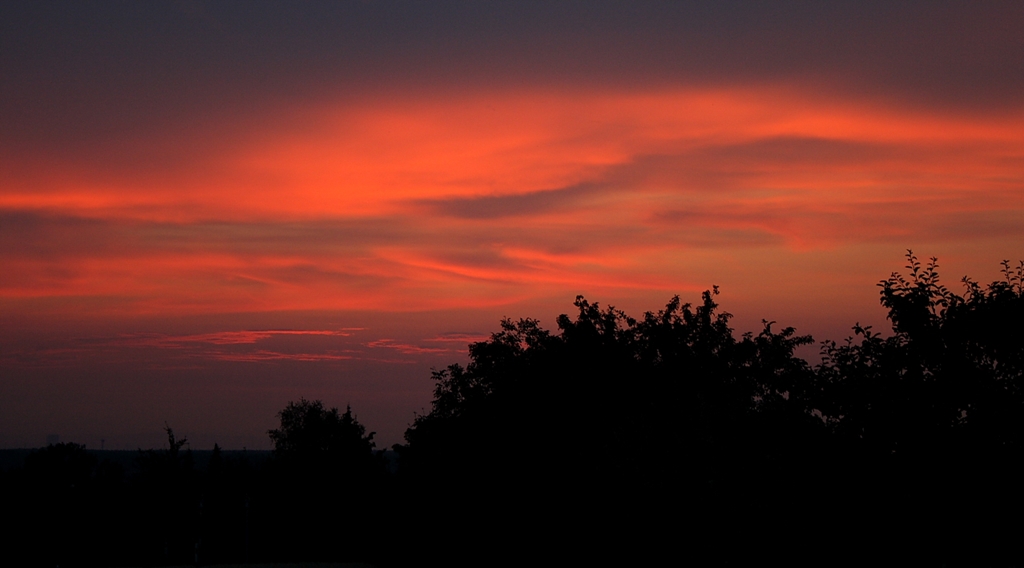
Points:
(611, 440)
(322, 494)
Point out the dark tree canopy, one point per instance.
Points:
(308, 427)
(316, 441)
(610, 383)
(949, 375)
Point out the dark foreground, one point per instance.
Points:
(611, 441)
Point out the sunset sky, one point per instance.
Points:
(208, 209)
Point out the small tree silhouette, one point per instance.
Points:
(308, 428)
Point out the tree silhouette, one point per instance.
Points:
(312, 434)
(934, 409)
(671, 411)
(951, 372)
(326, 476)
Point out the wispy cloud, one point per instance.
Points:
(406, 348)
(244, 337)
(263, 355)
(459, 337)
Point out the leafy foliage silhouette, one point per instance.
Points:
(951, 370)
(309, 429)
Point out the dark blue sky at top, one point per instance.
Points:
(73, 71)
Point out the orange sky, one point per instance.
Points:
(184, 237)
(421, 204)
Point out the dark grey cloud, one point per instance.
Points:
(518, 205)
(715, 166)
(38, 235)
(893, 220)
(790, 150)
(41, 235)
